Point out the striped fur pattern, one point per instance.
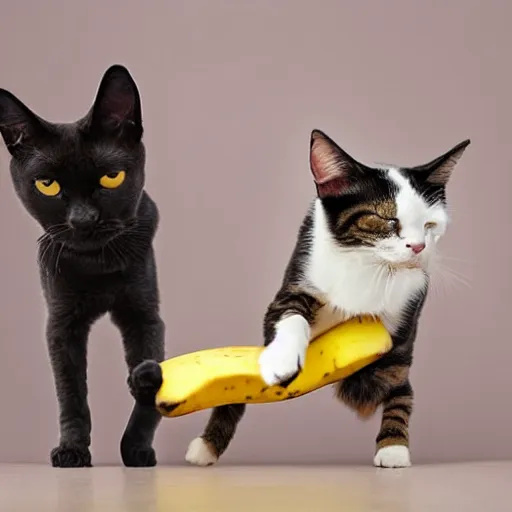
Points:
(366, 246)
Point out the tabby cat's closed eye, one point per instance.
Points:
(112, 179)
(376, 223)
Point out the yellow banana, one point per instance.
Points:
(229, 375)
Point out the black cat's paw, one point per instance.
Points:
(136, 455)
(70, 457)
(144, 382)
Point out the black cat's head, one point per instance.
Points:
(81, 181)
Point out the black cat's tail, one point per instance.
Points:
(144, 381)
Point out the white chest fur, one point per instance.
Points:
(354, 284)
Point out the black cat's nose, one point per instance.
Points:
(82, 216)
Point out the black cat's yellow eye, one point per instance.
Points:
(112, 179)
(48, 187)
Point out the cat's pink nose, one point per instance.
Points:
(416, 248)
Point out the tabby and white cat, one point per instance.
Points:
(364, 247)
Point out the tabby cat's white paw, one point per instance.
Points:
(396, 456)
(281, 360)
(284, 357)
(200, 453)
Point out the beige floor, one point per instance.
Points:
(482, 487)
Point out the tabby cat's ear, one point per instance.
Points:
(19, 126)
(438, 171)
(333, 169)
(117, 108)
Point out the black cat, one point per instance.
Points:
(83, 182)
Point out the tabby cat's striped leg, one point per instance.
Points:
(206, 449)
(392, 449)
(287, 335)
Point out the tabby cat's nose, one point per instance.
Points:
(416, 248)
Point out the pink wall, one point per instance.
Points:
(230, 91)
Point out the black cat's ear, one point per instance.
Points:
(117, 108)
(438, 171)
(19, 126)
(333, 169)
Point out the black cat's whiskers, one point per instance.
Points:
(48, 244)
(54, 231)
(131, 244)
(124, 242)
(111, 249)
(50, 240)
(56, 270)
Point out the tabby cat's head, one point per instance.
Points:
(81, 181)
(396, 214)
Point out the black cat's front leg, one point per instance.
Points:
(143, 338)
(67, 345)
